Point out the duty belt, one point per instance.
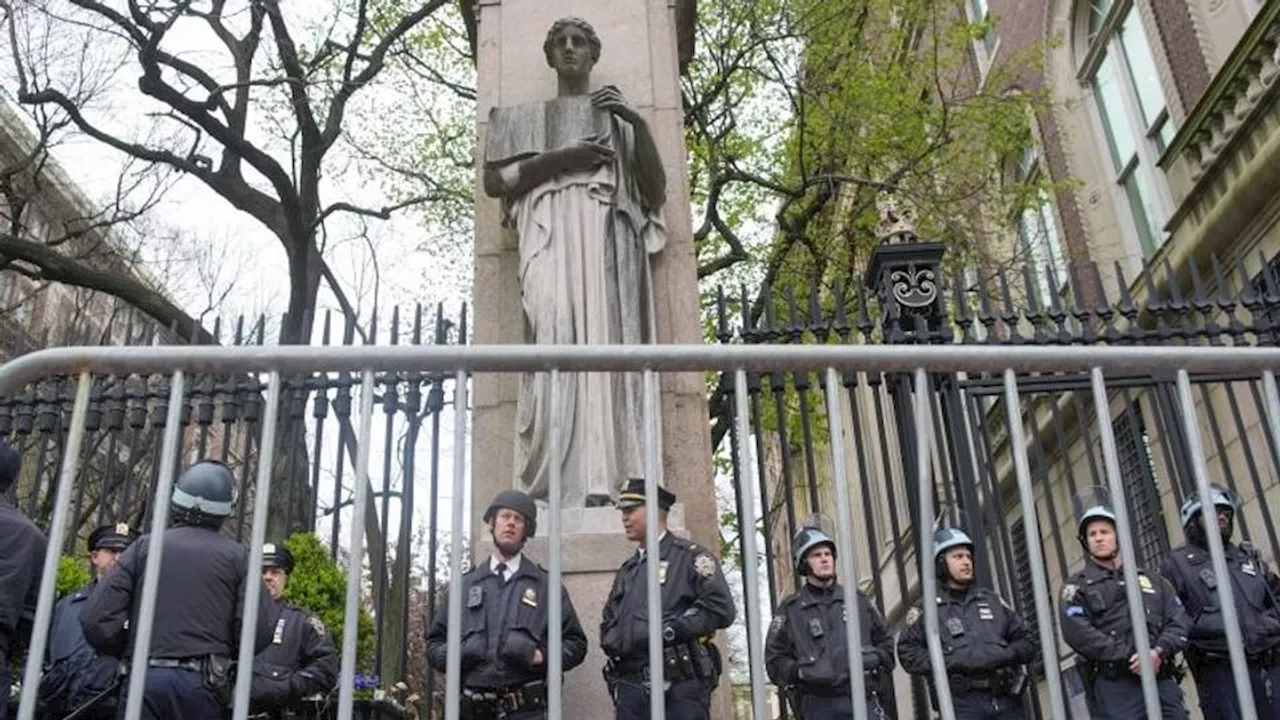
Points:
(964, 683)
(194, 664)
(1265, 658)
(513, 699)
(680, 662)
(1119, 670)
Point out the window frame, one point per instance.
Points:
(985, 47)
(1029, 166)
(1107, 43)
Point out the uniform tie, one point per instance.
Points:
(501, 571)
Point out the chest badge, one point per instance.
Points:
(662, 572)
(530, 597)
(1144, 583)
(1248, 568)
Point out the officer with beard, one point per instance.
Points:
(21, 567)
(75, 676)
(301, 659)
(505, 628)
(1095, 623)
(807, 646)
(695, 603)
(984, 641)
(1190, 571)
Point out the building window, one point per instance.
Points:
(1120, 71)
(1037, 227)
(985, 46)
(1141, 497)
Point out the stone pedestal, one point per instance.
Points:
(641, 43)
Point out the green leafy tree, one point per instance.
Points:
(73, 574)
(319, 584)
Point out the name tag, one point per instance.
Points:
(279, 636)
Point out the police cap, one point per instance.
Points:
(112, 537)
(277, 556)
(633, 496)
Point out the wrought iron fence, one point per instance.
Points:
(908, 298)
(221, 416)
(835, 366)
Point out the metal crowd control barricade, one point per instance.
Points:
(1008, 363)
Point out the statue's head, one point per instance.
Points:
(572, 46)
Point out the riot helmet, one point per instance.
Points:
(1189, 513)
(521, 503)
(944, 540)
(807, 539)
(203, 495)
(1093, 504)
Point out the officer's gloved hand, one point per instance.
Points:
(817, 675)
(870, 660)
(473, 648)
(517, 649)
(677, 631)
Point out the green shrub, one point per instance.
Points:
(73, 574)
(319, 584)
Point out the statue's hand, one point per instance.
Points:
(610, 98)
(585, 154)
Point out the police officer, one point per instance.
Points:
(196, 627)
(695, 603)
(505, 627)
(807, 647)
(301, 660)
(1095, 623)
(21, 567)
(75, 676)
(1190, 571)
(984, 641)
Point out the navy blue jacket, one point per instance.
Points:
(73, 673)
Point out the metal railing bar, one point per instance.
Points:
(355, 553)
(1217, 553)
(653, 552)
(155, 548)
(1115, 485)
(453, 662)
(750, 566)
(292, 359)
(58, 528)
(1031, 531)
(928, 580)
(844, 538)
(258, 534)
(555, 662)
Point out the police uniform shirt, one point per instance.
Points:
(504, 621)
(807, 641)
(980, 633)
(201, 598)
(1190, 571)
(300, 661)
(512, 564)
(1095, 614)
(21, 566)
(695, 601)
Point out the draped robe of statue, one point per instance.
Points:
(585, 239)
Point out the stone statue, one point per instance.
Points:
(583, 185)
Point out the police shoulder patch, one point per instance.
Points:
(1069, 592)
(316, 624)
(704, 565)
(913, 615)
(779, 622)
